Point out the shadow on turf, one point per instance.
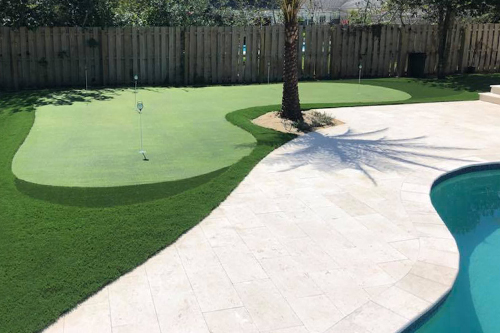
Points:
(100, 197)
(28, 100)
(471, 83)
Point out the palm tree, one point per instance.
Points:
(290, 107)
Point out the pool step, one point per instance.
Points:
(495, 89)
(490, 97)
(493, 96)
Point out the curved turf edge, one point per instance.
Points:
(94, 197)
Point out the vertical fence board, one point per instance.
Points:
(142, 54)
(403, 56)
(207, 55)
(150, 55)
(41, 60)
(466, 49)
(119, 56)
(156, 52)
(481, 32)
(220, 54)
(112, 55)
(97, 61)
(171, 75)
(267, 51)
(274, 53)
(489, 47)
(80, 45)
(497, 48)
(88, 54)
(23, 68)
(14, 43)
(214, 34)
(199, 55)
(337, 52)
(427, 48)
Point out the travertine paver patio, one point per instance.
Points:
(334, 232)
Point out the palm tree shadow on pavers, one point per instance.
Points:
(367, 152)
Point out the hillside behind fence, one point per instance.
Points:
(64, 57)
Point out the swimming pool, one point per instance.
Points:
(469, 204)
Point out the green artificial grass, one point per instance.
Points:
(96, 143)
(54, 255)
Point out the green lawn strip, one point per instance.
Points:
(53, 256)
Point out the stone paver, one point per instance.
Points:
(333, 232)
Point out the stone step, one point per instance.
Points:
(490, 97)
(495, 89)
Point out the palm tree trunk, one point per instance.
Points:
(290, 108)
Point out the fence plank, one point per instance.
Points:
(480, 45)
(344, 52)
(34, 67)
(392, 51)
(207, 55)
(381, 56)
(326, 52)
(220, 54)
(199, 55)
(143, 75)
(56, 49)
(388, 51)
(427, 48)
(214, 34)
(226, 62)
(466, 49)
(119, 56)
(496, 46)
(453, 50)
(7, 59)
(191, 51)
(404, 51)
(24, 62)
(281, 49)
(274, 53)
(88, 54)
(41, 60)
(80, 45)
(171, 75)
(150, 55)
(254, 53)
(163, 77)
(157, 59)
(112, 56)
(486, 48)
(308, 61)
(489, 47)
(14, 43)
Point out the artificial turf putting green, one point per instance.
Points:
(53, 256)
(96, 143)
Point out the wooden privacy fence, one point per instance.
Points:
(55, 57)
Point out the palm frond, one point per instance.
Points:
(290, 8)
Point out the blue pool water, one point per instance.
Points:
(469, 204)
